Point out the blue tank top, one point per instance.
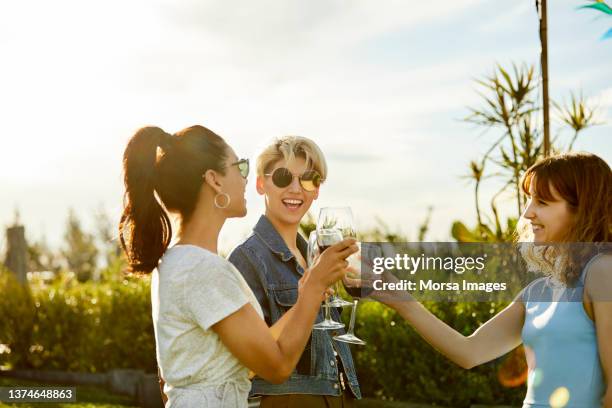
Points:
(561, 346)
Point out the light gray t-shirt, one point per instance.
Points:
(191, 290)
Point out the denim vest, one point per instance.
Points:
(272, 272)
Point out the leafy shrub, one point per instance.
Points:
(87, 327)
(17, 316)
(95, 327)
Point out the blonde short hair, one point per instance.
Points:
(288, 148)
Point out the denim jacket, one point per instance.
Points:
(272, 272)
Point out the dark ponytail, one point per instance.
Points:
(174, 173)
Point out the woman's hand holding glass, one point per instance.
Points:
(355, 283)
(330, 266)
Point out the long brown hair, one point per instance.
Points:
(159, 166)
(584, 181)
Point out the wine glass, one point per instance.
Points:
(335, 224)
(338, 218)
(356, 286)
(313, 248)
(313, 251)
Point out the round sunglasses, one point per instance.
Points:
(310, 180)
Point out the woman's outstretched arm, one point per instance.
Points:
(496, 337)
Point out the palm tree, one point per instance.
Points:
(600, 5)
(510, 108)
(542, 14)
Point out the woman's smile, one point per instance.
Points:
(292, 204)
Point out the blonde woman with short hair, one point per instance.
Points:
(290, 172)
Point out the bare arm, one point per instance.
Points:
(276, 329)
(495, 338)
(599, 291)
(271, 359)
(248, 337)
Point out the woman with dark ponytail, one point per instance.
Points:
(209, 329)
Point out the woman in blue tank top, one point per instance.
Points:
(564, 320)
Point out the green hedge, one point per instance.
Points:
(17, 315)
(96, 327)
(87, 327)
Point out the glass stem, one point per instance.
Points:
(327, 307)
(336, 291)
(351, 328)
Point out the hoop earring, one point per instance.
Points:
(227, 197)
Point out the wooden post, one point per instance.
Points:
(16, 252)
(544, 67)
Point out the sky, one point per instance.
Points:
(381, 86)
